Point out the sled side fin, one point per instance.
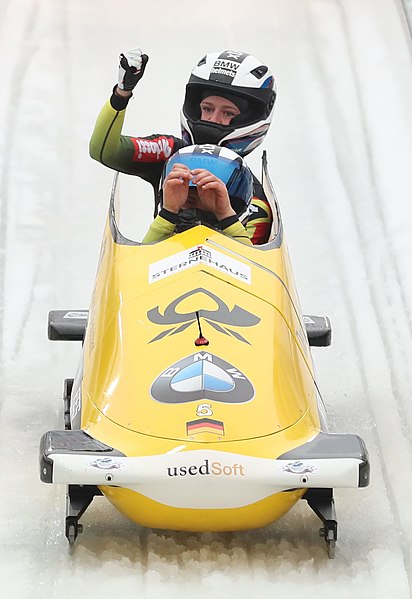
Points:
(67, 325)
(318, 330)
(69, 443)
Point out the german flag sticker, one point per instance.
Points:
(205, 425)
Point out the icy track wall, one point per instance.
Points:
(407, 8)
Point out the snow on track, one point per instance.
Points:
(339, 151)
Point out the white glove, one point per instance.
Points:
(131, 68)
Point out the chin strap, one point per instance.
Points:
(191, 217)
(209, 133)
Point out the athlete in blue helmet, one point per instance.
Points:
(204, 184)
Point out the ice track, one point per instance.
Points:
(340, 151)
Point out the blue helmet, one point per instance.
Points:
(224, 164)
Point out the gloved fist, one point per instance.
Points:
(131, 68)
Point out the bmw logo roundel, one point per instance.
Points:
(202, 376)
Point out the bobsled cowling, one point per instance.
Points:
(195, 405)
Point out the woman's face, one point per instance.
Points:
(215, 109)
(192, 198)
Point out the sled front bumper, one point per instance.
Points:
(327, 461)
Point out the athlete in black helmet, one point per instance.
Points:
(244, 81)
(229, 101)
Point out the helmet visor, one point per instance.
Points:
(237, 178)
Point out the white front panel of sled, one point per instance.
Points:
(207, 479)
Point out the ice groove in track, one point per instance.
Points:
(375, 208)
(375, 287)
(12, 113)
(3, 10)
(144, 544)
(391, 267)
(358, 350)
(377, 199)
(405, 9)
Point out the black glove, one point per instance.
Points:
(131, 68)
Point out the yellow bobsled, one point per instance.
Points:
(195, 405)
